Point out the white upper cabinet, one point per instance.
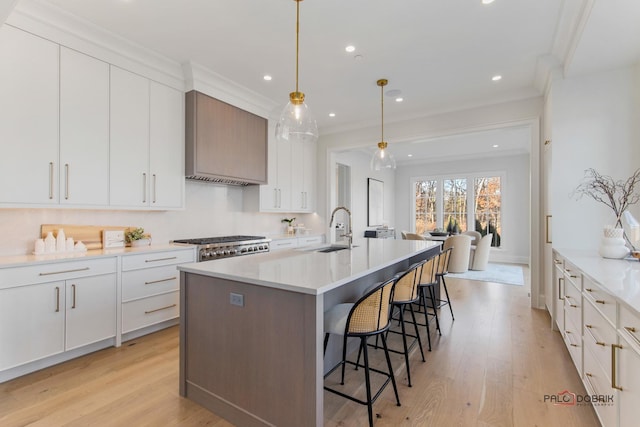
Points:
(166, 147)
(129, 153)
(84, 129)
(29, 100)
(303, 177)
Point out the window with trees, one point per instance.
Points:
(449, 203)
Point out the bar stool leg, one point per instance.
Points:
(426, 314)
(393, 378)
(446, 291)
(344, 358)
(363, 345)
(415, 326)
(432, 296)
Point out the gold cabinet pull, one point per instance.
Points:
(161, 308)
(144, 187)
(589, 330)
(557, 261)
(568, 298)
(161, 280)
(66, 181)
(50, 180)
(57, 299)
(560, 281)
(613, 366)
(599, 301)
(547, 230)
(154, 188)
(160, 259)
(632, 331)
(73, 293)
(588, 289)
(588, 378)
(64, 271)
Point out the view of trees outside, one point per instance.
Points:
(426, 206)
(487, 207)
(454, 206)
(486, 199)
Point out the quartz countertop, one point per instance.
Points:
(305, 270)
(21, 260)
(619, 278)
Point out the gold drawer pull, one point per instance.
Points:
(161, 308)
(588, 289)
(64, 271)
(160, 259)
(632, 331)
(588, 378)
(557, 261)
(599, 301)
(589, 327)
(568, 298)
(613, 366)
(161, 280)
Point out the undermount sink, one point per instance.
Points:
(334, 248)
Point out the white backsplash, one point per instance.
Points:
(211, 210)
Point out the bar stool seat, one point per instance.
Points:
(369, 316)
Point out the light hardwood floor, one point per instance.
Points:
(491, 367)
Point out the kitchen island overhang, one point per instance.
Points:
(252, 327)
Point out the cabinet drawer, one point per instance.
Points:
(148, 311)
(307, 241)
(598, 336)
(573, 303)
(43, 273)
(573, 339)
(155, 259)
(630, 325)
(283, 244)
(572, 275)
(601, 300)
(597, 383)
(149, 281)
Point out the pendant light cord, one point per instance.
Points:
(297, 38)
(382, 113)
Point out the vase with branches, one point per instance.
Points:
(617, 195)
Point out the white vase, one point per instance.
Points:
(140, 242)
(613, 244)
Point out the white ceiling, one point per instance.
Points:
(441, 54)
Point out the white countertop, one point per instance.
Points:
(619, 278)
(307, 271)
(21, 260)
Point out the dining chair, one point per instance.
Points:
(479, 257)
(414, 236)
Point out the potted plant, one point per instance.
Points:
(137, 237)
(289, 221)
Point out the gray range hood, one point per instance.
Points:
(224, 144)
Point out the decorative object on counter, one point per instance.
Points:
(296, 124)
(61, 241)
(382, 158)
(290, 221)
(80, 247)
(39, 247)
(452, 226)
(49, 243)
(137, 237)
(112, 239)
(619, 196)
(631, 229)
(69, 245)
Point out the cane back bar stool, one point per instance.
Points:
(443, 269)
(405, 294)
(369, 316)
(427, 281)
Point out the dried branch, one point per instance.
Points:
(617, 195)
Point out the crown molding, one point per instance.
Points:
(54, 24)
(202, 79)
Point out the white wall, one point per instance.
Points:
(211, 210)
(515, 237)
(595, 124)
(360, 171)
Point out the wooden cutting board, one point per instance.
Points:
(90, 235)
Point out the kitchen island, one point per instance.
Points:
(251, 330)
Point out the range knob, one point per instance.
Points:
(219, 253)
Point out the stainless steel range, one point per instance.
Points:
(227, 246)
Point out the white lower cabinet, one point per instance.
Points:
(151, 288)
(41, 316)
(628, 379)
(295, 242)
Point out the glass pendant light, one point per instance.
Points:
(296, 124)
(382, 158)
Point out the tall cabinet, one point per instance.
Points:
(29, 101)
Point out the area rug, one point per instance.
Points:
(510, 274)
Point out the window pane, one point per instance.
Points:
(425, 206)
(487, 209)
(455, 205)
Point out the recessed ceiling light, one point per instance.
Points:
(496, 78)
(399, 99)
(350, 48)
(267, 77)
(495, 145)
(332, 114)
(409, 155)
(487, 1)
